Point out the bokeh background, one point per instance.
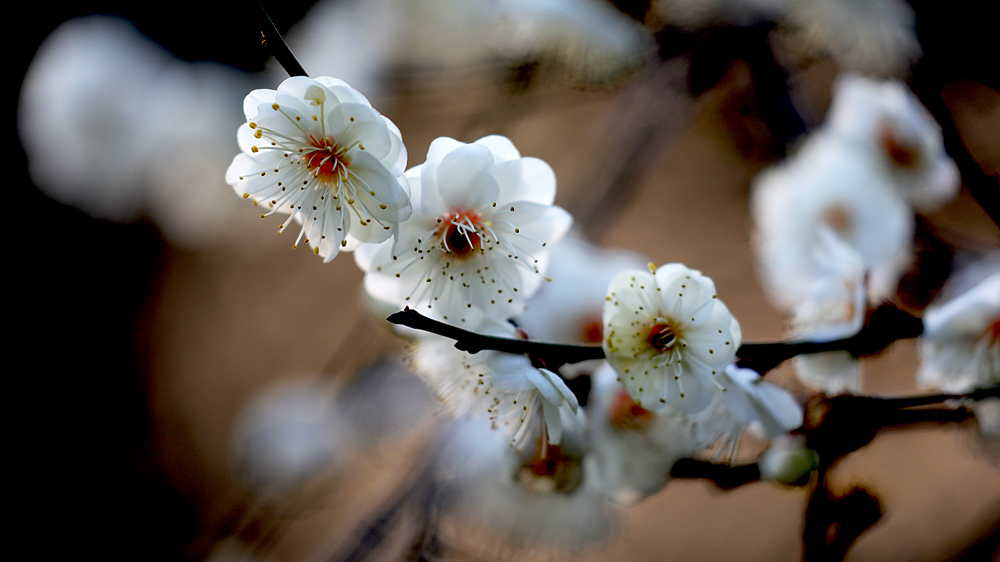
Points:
(142, 351)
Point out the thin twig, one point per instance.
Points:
(275, 44)
(550, 355)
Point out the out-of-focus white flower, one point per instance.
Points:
(871, 36)
(516, 396)
(316, 149)
(569, 309)
(186, 195)
(542, 497)
(477, 242)
(667, 335)
(826, 188)
(884, 120)
(834, 308)
(92, 85)
(590, 38)
(287, 434)
(633, 449)
(788, 461)
(764, 407)
(960, 346)
(84, 116)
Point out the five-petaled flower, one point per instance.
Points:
(476, 245)
(317, 150)
(667, 334)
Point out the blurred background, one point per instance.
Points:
(165, 320)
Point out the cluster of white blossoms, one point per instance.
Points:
(835, 222)
(467, 238)
(119, 159)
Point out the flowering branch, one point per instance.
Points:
(885, 325)
(275, 44)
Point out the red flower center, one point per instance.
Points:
(902, 153)
(626, 415)
(461, 233)
(327, 161)
(662, 337)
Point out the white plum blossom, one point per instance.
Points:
(823, 189)
(633, 449)
(101, 136)
(833, 308)
(885, 121)
(534, 499)
(317, 150)
(764, 407)
(477, 241)
(513, 394)
(667, 335)
(960, 346)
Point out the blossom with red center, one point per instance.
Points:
(667, 335)
(318, 151)
(477, 244)
(885, 123)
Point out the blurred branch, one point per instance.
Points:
(724, 476)
(834, 523)
(885, 325)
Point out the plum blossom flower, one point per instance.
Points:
(667, 335)
(826, 189)
(541, 497)
(833, 308)
(516, 396)
(477, 242)
(960, 346)
(317, 150)
(885, 121)
(768, 408)
(634, 448)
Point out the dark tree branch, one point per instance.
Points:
(275, 44)
(550, 355)
(885, 325)
(834, 523)
(725, 476)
